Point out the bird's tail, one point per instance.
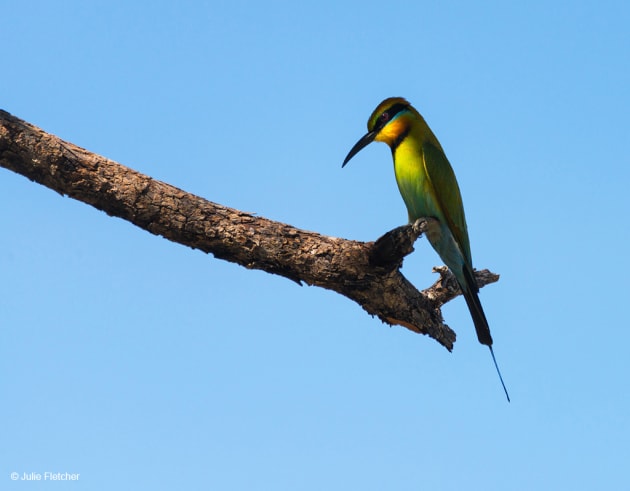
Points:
(470, 291)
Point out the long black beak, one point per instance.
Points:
(360, 145)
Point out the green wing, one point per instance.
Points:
(442, 179)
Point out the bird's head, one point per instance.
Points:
(388, 123)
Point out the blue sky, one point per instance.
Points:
(142, 364)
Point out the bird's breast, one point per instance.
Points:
(413, 183)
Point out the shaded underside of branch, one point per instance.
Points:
(366, 272)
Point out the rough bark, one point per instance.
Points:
(366, 272)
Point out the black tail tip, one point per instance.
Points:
(499, 373)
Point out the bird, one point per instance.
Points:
(429, 189)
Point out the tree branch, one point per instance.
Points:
(366, 272)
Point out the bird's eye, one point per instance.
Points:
(385, 117)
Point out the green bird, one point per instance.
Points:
(429, 188)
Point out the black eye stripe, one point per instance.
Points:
(388, 115)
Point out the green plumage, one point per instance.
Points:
(429, 188)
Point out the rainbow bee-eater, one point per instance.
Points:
(429, 189)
